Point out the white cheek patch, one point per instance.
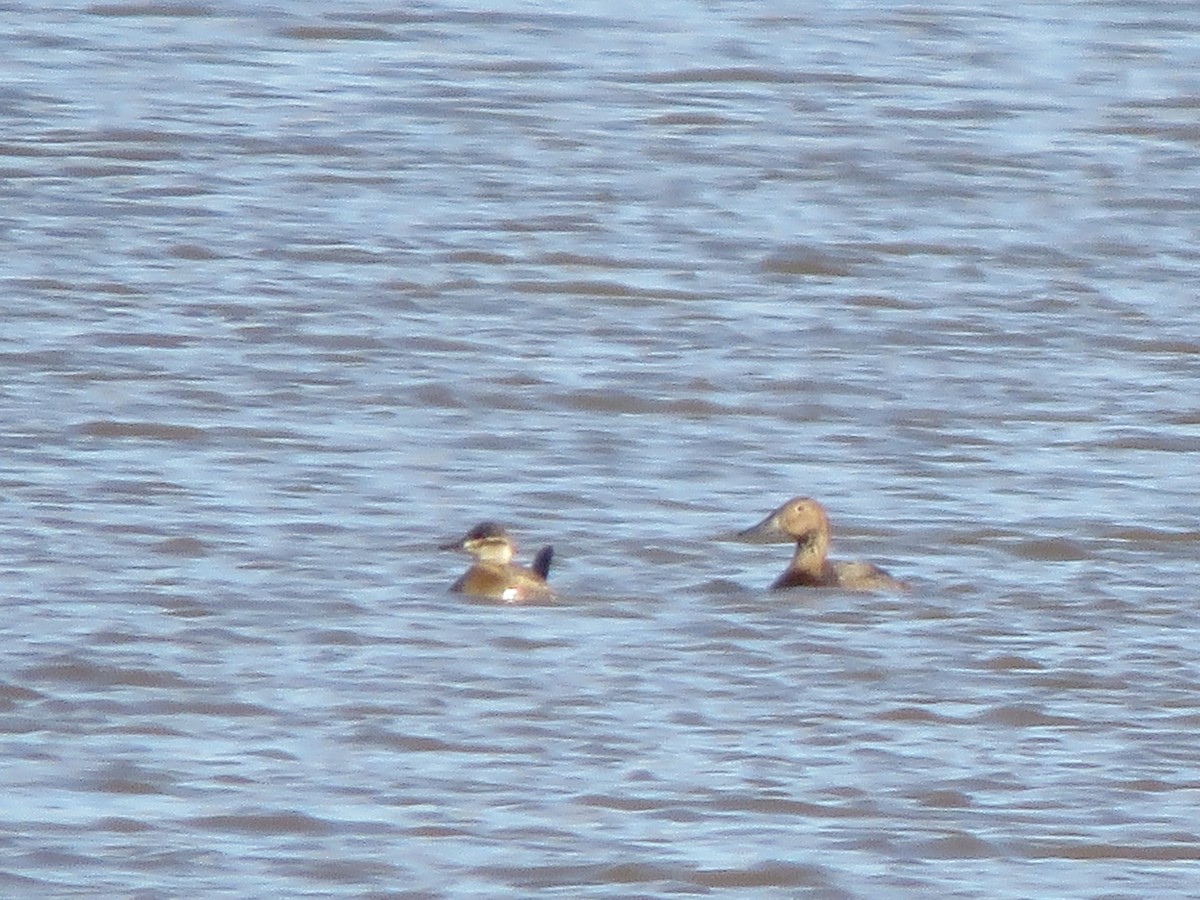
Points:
(509, 595)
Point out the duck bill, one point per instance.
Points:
(768, 531)
(456, 544)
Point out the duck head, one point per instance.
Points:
(799, 521)
(488, 542)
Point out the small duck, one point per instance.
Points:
(493, 575)
(804, 521)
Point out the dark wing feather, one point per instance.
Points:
(541, 562)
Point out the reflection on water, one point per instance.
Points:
(294, 294)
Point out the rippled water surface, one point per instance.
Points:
(294, 293)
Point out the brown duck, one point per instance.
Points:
(494, 575)
(804, 521)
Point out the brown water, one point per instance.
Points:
(294, 293)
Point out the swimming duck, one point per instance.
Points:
(804, 521)
(493, 575)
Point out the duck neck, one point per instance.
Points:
(495, 554)
(811, 551)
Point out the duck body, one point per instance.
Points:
(804, 521)
(494, 575)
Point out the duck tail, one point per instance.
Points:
(541, 562)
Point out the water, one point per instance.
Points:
(293, 294)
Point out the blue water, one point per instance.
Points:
(295, 294)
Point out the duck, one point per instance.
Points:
(494, 575)
(804, 520)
